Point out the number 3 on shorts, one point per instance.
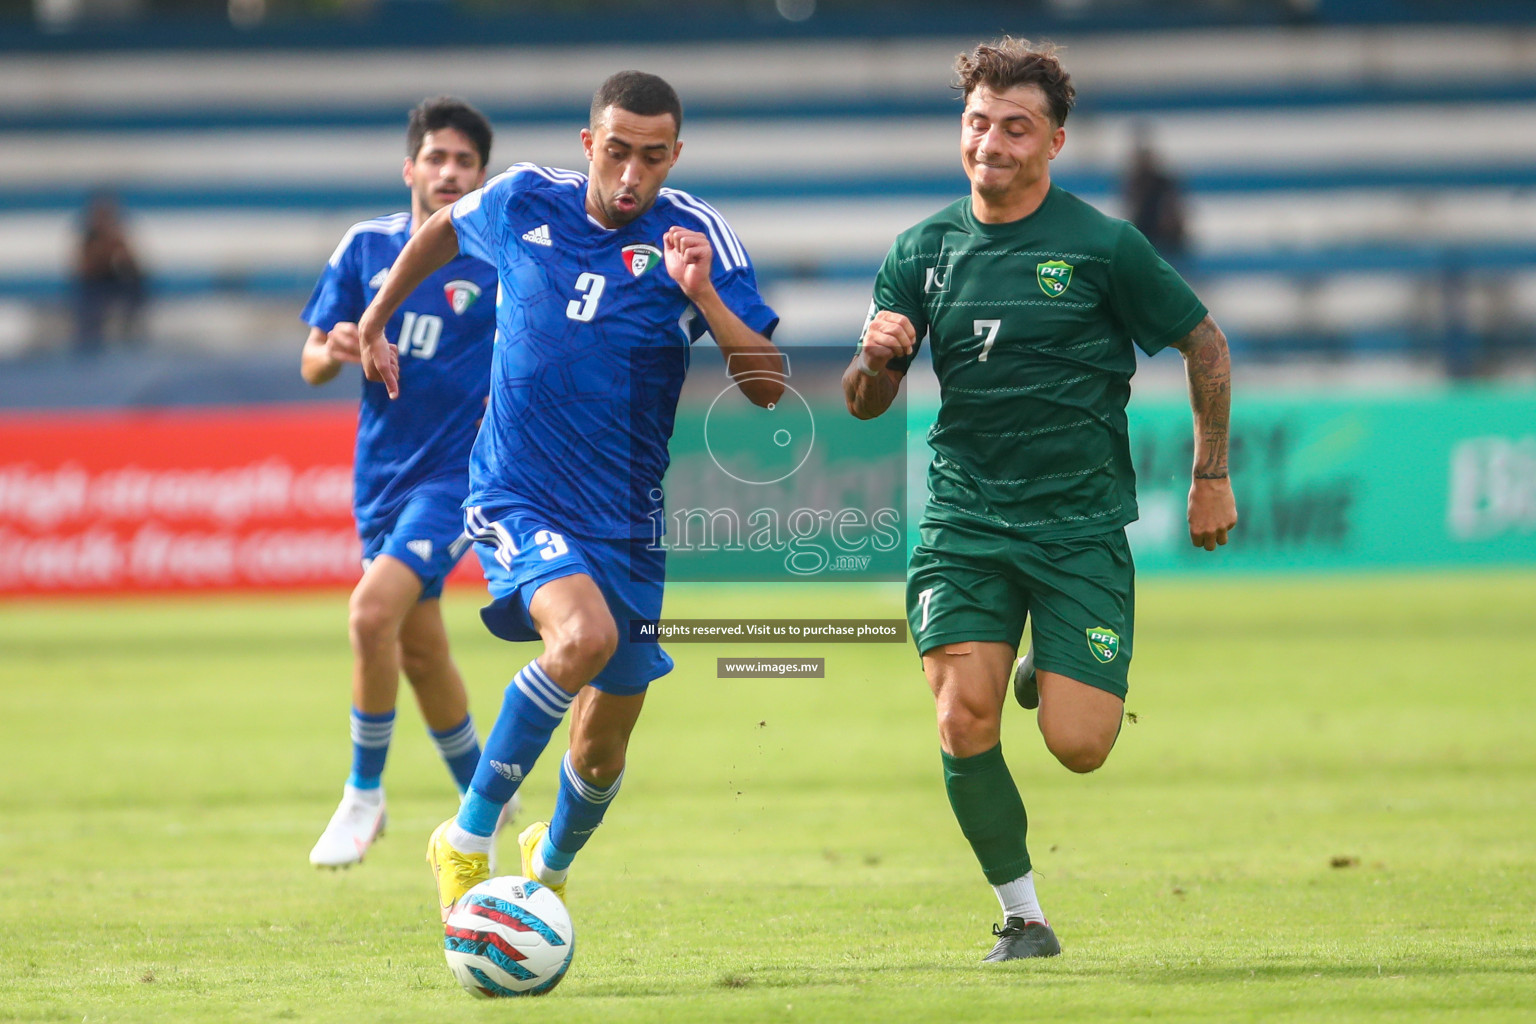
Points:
(924, 598)
(554, 544)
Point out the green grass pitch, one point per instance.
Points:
(1325, 810)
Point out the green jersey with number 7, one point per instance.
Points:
(1031, 325)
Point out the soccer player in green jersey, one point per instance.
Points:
(1031, 300)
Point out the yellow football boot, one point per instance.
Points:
(529, 842)
(456, 872)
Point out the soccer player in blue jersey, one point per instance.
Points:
(606, 279)
(411, 468)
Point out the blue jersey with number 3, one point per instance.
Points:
(592, 344)
(443, 332)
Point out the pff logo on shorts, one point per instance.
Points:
(1103, 642)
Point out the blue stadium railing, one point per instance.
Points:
(1387, 257)
(1090, 183)
(941, 102)
(1443, 270)
(383, 24)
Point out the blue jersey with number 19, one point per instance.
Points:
(443, 333)
(592, 344)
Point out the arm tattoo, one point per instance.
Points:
(866, 396)
(1208, 365)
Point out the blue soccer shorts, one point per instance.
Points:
(426, 533)
(521, 550)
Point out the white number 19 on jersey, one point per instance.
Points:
(419, 334)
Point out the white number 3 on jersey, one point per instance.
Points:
(590, 287)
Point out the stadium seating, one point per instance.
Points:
(1351, 190)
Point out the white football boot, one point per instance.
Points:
(358, 821)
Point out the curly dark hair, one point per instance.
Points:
(1010, 62)
(639, 93)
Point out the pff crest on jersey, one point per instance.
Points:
(1054, 277)
(461, 294)
(640, 257)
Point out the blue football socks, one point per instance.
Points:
(370, 747)
(579, 809)
(460, 747)
(531, 709)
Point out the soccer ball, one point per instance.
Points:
(509, 936)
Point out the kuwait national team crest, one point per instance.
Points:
(640, 257)
(1103, 642)
(461, 294)
(1054, 277)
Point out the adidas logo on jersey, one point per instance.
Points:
(422, 549)
(538, 236)
(377, 280)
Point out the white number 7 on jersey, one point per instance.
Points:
(988, 328)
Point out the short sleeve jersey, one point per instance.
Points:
(1031, 325)
(443, 332)
(593, 341)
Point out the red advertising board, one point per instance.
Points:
(250, 498)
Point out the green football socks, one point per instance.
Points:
(990, 812)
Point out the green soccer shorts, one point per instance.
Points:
(974, 583)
